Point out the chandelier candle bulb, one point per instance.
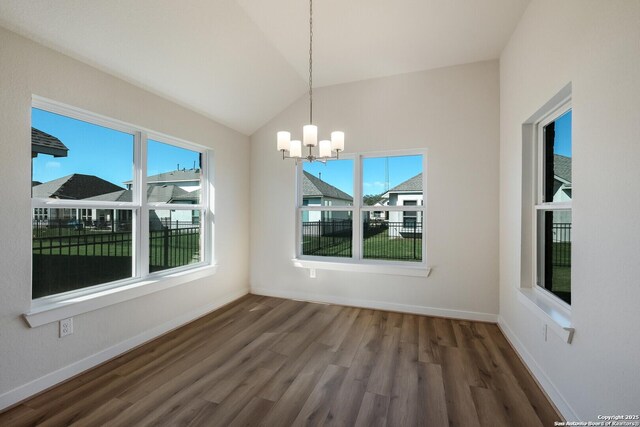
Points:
(325, 148)
(310, 135)
(296, 148)
(337, 140)
(310, 131)
(284, 139)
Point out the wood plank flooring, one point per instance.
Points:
(275, 362)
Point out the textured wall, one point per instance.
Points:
(453, 113)
(594, 45)
(27, 68)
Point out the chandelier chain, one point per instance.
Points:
(310, 61)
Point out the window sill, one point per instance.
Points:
(53, 311)
(391, 269)
(557, 318)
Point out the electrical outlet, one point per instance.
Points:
(544, 331)
(66, 327)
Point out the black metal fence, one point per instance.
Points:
(174, 247)
(561, 253)
(382, 239)
(327, 238)
(66, 257)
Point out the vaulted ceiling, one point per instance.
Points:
(241, 62)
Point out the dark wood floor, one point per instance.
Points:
(274, 362)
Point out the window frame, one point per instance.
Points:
(358, 210)
(139, 207)
(540, 205)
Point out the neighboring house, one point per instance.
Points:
(561, 178)
(156, 194)
(407, 193)
(43, 143)
(316, 192)
(186, 179)
(561, 193)
(72, 187)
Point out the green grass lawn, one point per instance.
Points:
(378, 246)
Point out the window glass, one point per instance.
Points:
(173, 174)
(389, 181)
(327, 233)
(77, 248)
(557, 160)
(76, 160)
(554, 253)
(174, 238)
(327, 184)
(554, 225)
(392, 235)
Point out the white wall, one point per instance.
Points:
(453, 112)
(26, 354)
(595, 46)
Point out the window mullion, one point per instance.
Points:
(356, 215)
(142, 225)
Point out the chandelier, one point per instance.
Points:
(292, 149)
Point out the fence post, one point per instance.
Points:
(414, 239)
(165, 241)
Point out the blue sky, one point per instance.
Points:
(340, 173)
(95, 150)
(562, 143)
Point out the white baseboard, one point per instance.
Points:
(552, 392)
(379, 305)
(23, 392)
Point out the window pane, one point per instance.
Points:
(390, 181)
(77, 248)
(328, 184)
(76, 160)
(327, 233)
(554, 253)
(557, 184)
(392, 235)
(173, 174)
(174, 238)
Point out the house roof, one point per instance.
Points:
(562, 167)
(411, 185)
(313, 186)
(188, 196)
(155, 194)
(43, 143)
(74, 187)
(174, 176)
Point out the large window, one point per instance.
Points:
(553, 208)
(111, 203)
(367, 208)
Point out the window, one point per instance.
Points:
(111, 203)
(382, 195)
(553, 207)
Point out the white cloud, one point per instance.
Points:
(375, 186)
(52, 165)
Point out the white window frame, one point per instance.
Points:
(542, 206)
(51, 307)
(356, 262)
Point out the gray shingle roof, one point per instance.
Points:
(74, 187)
(412, 184)
(43, 143)
(173, 176)
(313, 186)
(155, 194)
(562, 167)
(116, 196)
(193, 196)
